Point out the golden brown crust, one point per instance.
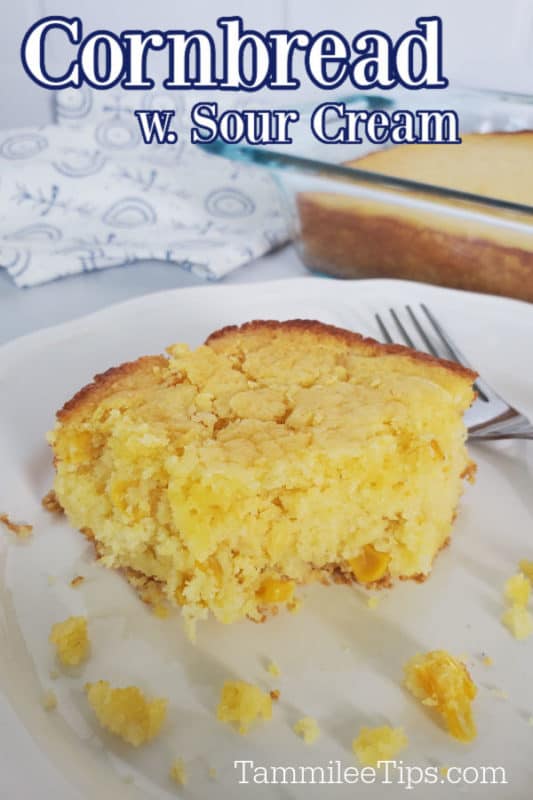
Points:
(51, 503)
(349, 338)
(103, 384)
(118, 378)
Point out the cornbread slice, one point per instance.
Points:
(276, 454)
(410, 236)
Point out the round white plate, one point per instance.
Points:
(341, 662)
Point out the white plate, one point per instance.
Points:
(341, 662)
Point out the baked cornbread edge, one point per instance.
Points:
(98, 388)
(350, 338)
(101, 384)
(348, 244)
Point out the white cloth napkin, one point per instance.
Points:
(87, 193)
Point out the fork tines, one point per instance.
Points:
(423, 332)
(490, 416)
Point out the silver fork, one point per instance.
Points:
(490, 416)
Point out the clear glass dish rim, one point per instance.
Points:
(261, 156)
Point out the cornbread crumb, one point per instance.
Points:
(443, 682)
(51, 580)
(22, 531)
(444, 771)
(519, 621)
(373, 601)
(71, 640)
(307, 728)
(275, 694)
(243, 703)
(212, 773)
(526, 567)
(160, 611)
(178, 772)
(295, 605)
(273, 669)
(126, 712)
(487, 660)
(77, 581)
(51, 503)
(499, 693)
(517, 590)
(379, 744)
(49, 700)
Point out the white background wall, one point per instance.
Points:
(487, 42)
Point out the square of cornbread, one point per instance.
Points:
(276, 454)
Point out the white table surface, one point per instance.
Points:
(25, 310)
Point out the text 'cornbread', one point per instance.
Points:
(276, 454)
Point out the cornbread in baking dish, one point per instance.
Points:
(430, 239)
(275, 454)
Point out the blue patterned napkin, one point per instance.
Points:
(87, 193)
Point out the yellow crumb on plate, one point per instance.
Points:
(212, 773)
(126, 712)
(307, 728)
(373, 601)
(517, 590)
(499, 693)
(21, 530)
(243, 703)
(160, 611)
(519, 621)
(49, 700)
(379, 744)
(71, 640)
(443, 682)
(526, 567)
(273, 669)
(178, 773)
(487, 660)
(77, 581)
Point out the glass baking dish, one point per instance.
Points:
(352, 222)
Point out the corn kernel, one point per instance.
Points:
(370, 565)
(275, 591)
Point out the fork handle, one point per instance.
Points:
(492, 437)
